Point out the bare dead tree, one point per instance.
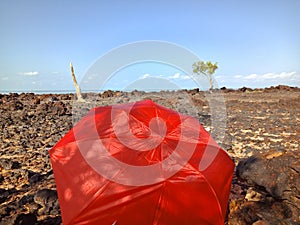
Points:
(78, 92)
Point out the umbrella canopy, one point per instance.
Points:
(140, 163)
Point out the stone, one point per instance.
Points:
(1, 178)
(35, 178)
(25, 199)
(48, 201)
(51, 221)
(243, 213)
(261, 222)
(17, 105)
(58, 108)
(37, 101)
(3, 195)
(245, 89)
(253, 195)
(279, 175)
(6, 164)
(275, 181)
(26, 219)
(107, 94)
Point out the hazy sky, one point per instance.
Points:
(256, 43)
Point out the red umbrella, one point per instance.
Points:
(140, 163)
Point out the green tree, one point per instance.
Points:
(206, 68)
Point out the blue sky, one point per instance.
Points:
(256, 43)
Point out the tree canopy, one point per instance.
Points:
(206, 68)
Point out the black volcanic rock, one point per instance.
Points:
(9, 164)
(279, 175)
(3, 195)
(25, 219)
(33, 177)
(48, 201)
(244, 89)
(107, 94)
(276, 177)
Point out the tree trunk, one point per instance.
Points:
(211, 83)
(78, 92)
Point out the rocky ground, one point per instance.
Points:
(259, 128)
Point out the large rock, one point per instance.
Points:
(48, 201)
(274, 196)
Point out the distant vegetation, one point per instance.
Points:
(206, 68)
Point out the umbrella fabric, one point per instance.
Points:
(140, 163)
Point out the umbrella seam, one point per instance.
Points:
(157, 208)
